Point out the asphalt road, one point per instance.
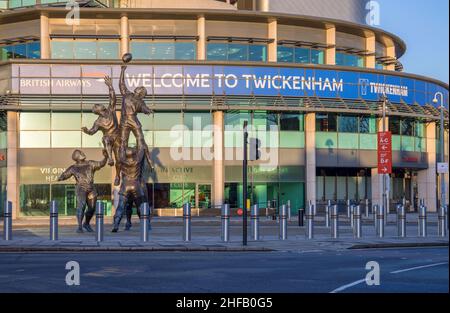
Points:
(401, 270)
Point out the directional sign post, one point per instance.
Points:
(384, 153)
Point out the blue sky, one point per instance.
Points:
(424, 26)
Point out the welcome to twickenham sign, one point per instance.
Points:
(61, 79)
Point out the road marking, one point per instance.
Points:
(418, 267)
(342, 288)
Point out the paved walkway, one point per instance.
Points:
(166, 235)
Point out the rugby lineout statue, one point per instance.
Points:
(129, 162)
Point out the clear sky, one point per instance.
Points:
(424, 26)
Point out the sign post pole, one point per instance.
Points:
(385, 157)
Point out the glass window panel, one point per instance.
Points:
(292, 140)
(326, 122)
(185, 51)
(326, 140)
(66, 121)
(146, 121)
(236, 120)
(162, 51)
(407, 127)
(140, 50)
(62, 49)
(237, 52)
(165, 121)
(290, 121)
(420, 129)
(420, 145)
(34, 50)
(394, 125)
(34, 121)
(396, 143)
(217, 51)
(15, 4)
(317, 56)
(302, 55)
(20, 51)
(66, 139)
(257, 53)
(367, 124)
(407, 143)
(348, 141)
(35, 139)
(197, 120)
(168, 139)
(34, 200)
(348, 124)
(85, 49)
(340, 59)
(107, 49)
(28, 2)
(94, 141)
(285, 54)
(368, 141)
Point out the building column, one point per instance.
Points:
(12, 174)
(390, 52)
(310, 151)
(330, 41)
(370, 45)
(218, 165)
(377, 179)
(124, 35)
(427, 179)
(45, 37)
(201, 33)
(272, 47)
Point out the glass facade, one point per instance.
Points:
(346, 59)
(300, 55)
(340, 184)
(149, 50)
(29, 50)
(84, 49)
(407, 134)
(236, 52)
(337, 131)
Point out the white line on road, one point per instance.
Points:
(342, 288)
(418, 267)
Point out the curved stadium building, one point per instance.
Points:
(307, 75)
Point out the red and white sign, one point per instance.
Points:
(384, 153)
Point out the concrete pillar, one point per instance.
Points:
(219, 168)
(272, 32)
(201, 33)
(330, 40)
(124, 35)
(310, 151)
(45, 37)
(376, 179)
(263, 5)
(427, 179)
(370, 45)
(390, 52)
(12, 162)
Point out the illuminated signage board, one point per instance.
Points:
(223, 80)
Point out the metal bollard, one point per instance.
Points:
(301, 217)
(357, 227)
(422, 223)
(375, 212)
(288, 204)
(348, 208)
(255, 222)
(310, 222)
(53, 220)
(7, 221)
(145, 221)
(334, 222)
(352, 210)
(99, 220)
(226, 213)
(187, 222)
(442, 227)
(267, 210)
(327, 214)
(366, 212)
(401, 221)
(380, 221)
(283, 222)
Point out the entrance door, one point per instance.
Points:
(70, 202)
(204, 196)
